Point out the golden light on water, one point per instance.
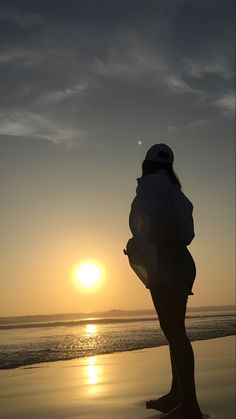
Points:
(88, 275)
(94, 376)
(91, 329)
(92, 370)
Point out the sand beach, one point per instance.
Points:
(116, 386)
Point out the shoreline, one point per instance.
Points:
(37, 364)
(116, 385)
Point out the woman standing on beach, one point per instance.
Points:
(162, 226)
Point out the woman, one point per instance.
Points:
(162, 226)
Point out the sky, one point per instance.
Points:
(86, 88)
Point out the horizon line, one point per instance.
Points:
(113, 310)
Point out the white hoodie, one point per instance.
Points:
(160, 213)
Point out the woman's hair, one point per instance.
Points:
(150, 166)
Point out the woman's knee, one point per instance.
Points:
(172, 331)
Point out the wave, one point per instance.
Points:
(103, 321)
(28, 358)
(52, 343)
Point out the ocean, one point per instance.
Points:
(28, 340)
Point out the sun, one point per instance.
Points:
(88, 275)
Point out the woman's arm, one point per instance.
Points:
(140, 225)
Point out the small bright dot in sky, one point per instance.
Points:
(140, 142)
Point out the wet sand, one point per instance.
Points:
(116, 386)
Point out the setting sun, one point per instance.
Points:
(88, 274)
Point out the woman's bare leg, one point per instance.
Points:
(175, 385)
(172, 399)
(171, 312)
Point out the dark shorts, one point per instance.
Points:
(175, 267)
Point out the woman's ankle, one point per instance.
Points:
(174, 392)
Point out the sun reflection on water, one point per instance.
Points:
(94, 376)
(92, 370)
(91, 329)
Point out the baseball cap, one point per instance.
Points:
(160, 153)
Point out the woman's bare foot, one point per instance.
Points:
(185, 412)
(164, 404)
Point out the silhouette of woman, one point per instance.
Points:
(162, 226)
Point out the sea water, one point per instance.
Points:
(28, 340)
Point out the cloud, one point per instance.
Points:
(172, 129)
(130, 60)
(30, 125)
(135, 62)
(22, 19)
(227, 105)
(199, 70)
(20, 57)
(177, 84)
(196, 124)
(63, 63)
(67, 92)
